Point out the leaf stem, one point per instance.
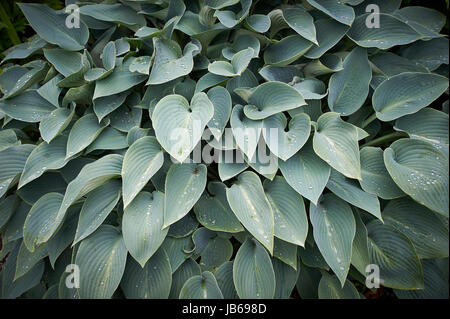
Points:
(9, 26)
(369, 120)
(386, 138)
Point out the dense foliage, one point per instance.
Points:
(117, 135)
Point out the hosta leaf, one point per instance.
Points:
(285, 278)
(301, 22)
(390, 64)
(51, 26)
(425, 230)
(329, 33)
(230, 170)
(125, 118)
(118, 13)
(431, 54)
(108, 139)
(26, 260)
(44, 157)
(27, 107)
(407, 93)
(119, 81)
(308, 282)
(385, 6)
(334, 229)
(66, 62)
(331, 288)
(428, 125)
(141, 161)
(221, 100)
(239, 63)
(287, 50)
(246, 131)
(13, 160)
(349, 190)
(170, 63)
(375, 177)
(251, 206)
(264, 162)
(8, 138)
(184, 186)
(224, 277)
(360, 248)
(271, 98)
(280, 73)
(8, 206)
(311, 89)
(107, 104)
(178, 250)
(336, 142)
(328, 63)
(209, 80)
(184, 227)
(218, 251)
(425, 21)
(286, 252)
(83, 133)
(37, 226)
(283, 140)
(290, 221)
(51, 91)
(392, 32)
(349, 88)
(435, 284)
(179, 125)
(24, 50)
(188, 269)
(306, 173)
(91, 176)
(396, 257)
(101, 259)
(219, 4)
(258, 23)
(421, 171)
(136, 133)
(14, 288)
(253, 274)
(142, 226)
(109, 55)
(203, 286)
(335, 9)
(27, 80)
(9, 78)
(153, 281)
(99, 203)
(230, 19)
(14, 229)
(214, 212)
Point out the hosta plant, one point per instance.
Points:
(225, 149)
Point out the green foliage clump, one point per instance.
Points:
(334, 115)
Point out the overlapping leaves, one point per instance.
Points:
(337, 132)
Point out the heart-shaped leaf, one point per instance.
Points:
(285, 141)
(251, 206)
(179, 125)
